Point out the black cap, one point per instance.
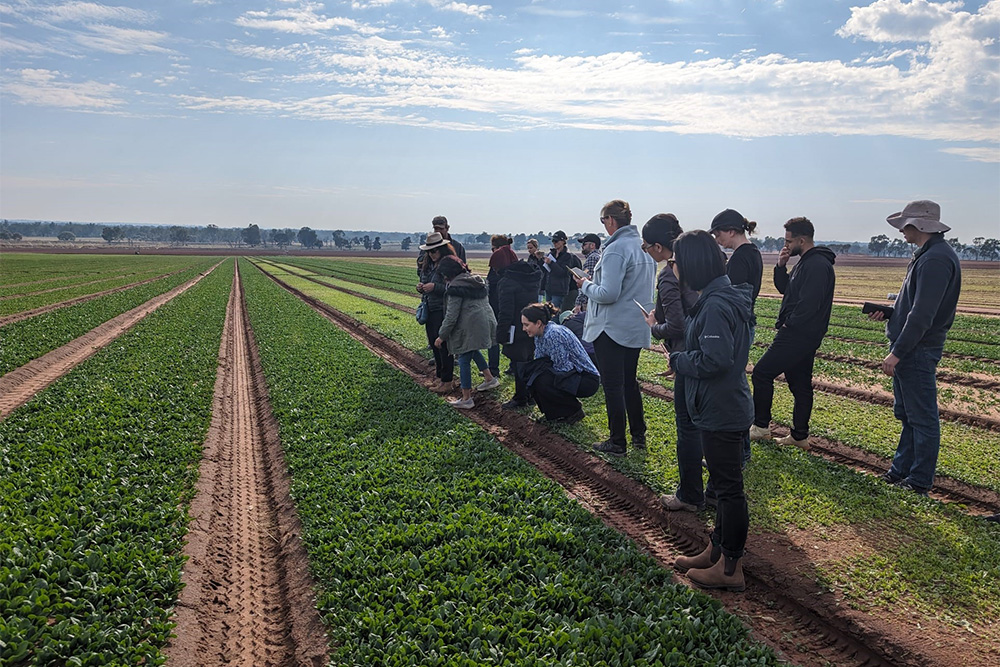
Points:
(590, 238)
(559, 236)
(728, 219)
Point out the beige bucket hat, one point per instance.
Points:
(923, 214)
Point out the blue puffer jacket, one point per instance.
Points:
(717, 341)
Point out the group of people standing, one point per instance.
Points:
(703, 313)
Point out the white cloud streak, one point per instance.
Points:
(47, 88)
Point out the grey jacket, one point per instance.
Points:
(469, 323)
(624, 274)
(925, 307)
(714, 364)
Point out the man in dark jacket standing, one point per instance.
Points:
(916, 328)
(558, 264)
(802, 322)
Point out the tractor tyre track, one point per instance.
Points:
(20, 385)
(802, 622)
(248, 598)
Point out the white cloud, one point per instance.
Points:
(301, 20)
(896, 21)
(977, 153)
(112, 39)
(85, 12)
(478, 11)
(46, 88)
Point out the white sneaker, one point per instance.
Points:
(488, 384)
(789, 440)
(462, 403)
(759, 433)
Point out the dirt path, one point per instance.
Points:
(18, 386)
(248, 598)
(66, 287)
(783, 605)
(17, 317)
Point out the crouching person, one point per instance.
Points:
(561, 372)
(469, 326)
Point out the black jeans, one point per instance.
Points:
(724, 455)
(689, 451)
(622, 396)
(795, 359)
(444, 363)
(556, 403)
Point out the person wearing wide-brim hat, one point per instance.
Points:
(432, 291)
(917, 326)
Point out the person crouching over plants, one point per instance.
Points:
(468, 327)
(713, 365)
(561, 372)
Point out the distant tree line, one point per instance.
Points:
(981, 247)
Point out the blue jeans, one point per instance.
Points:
(557, 300)
(914, 386)
(689, 451)
(465, 366)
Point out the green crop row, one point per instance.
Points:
(382, 276)
(32, 268)
(791, 490)
(31, 338)
(434, 545)
(29, 301)
(95, 475)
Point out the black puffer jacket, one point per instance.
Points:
(518, 288)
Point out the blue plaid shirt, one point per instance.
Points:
(564, 349)
(588, 265)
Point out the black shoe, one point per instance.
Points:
(916, 489)
(995, 518)
(890, 479)
(639, 441)
(609, 447)
(513, 405)
(711, 501)
(509, 371)
(575, 417)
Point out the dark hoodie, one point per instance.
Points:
(808, 295)
(517, 289)
(717, 340)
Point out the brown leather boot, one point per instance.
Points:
(727, 573)
(706, 558)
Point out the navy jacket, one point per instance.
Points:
(808, 295)
(717, 337)
(925, 307)
(518, 288)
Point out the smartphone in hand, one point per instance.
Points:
(580, 273)
(645, 312)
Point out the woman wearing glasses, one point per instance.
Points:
(616, 325)
(717, 396)
(666, 323)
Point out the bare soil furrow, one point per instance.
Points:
(18, 386)
(806, 624)
(248, 598)
(64, 287)
(17, 317)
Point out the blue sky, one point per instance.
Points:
(505, 117)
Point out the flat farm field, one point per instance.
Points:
(213, 461)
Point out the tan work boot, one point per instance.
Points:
(716, 577)
(759, 432)
(706, 558)
(789, 440)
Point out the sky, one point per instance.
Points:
(506, 117)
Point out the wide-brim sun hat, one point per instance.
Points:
(923, 214)
(434, 240)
